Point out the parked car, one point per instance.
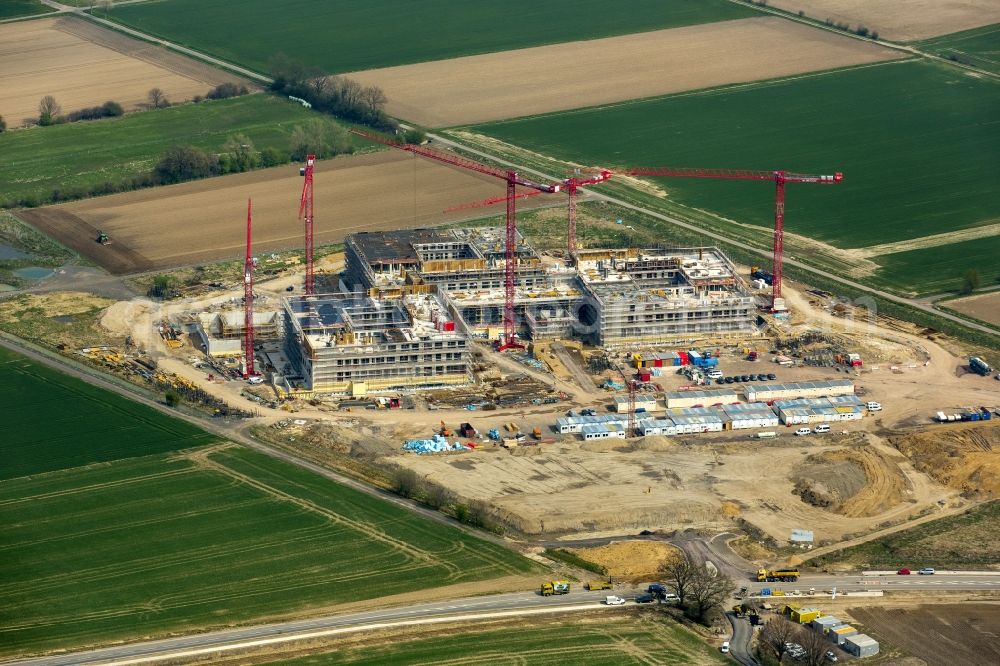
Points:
(728, 380)
(771, 376)
(926, 571)
(831, 657)
(874, 407)
(645, 599)
(744, 378)
(720, 380)
(725, 647)
(803, 431)
(614, 600)
(903, 572)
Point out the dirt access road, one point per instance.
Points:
(495, 86)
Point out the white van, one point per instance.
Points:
(803, 431)
(714, 374)
(874, 407)
(821, 428)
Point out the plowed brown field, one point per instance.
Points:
(985, 307)
(525, 82)
(82, 65)
(901, 20)
(941, 635)
(203, 221)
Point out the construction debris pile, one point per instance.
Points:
(436, 444)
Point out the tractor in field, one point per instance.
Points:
(103, 238)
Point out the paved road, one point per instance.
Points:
(739, 643)
(526, 602)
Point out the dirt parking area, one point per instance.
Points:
(82, 65)
(537, 80)
(985, 307)
(605, 488)
(205, 220)
(900, 20)
(941, 634)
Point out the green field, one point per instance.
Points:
(347, 36)
(38, 160)
(53, 421)
(619, 638)
(111, 532)
(965, 541)
(919, 145)
(164, 543)
(16, 8)
(979, 47)
(940, 269)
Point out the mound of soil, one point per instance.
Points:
(632, 560)
(855, 481)
(965, 457)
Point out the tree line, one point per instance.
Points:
(337, 95)
(179, 163)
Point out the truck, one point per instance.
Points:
(783, 575)
(979, 366)
(537, 433)
(599, 585)
(555, 587)
(759, 274)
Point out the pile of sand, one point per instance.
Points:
(640, 560)
(965, 457)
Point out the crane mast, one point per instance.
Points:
(248, 332)
(513, 179)
(306, 214)
(779, 178)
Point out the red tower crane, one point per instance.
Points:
(306, 213)
(779, 178)
(571, 185)
(513, 180)
(248, 366)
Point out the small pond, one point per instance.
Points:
(33, 272)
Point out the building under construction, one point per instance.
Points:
(352, 343)
(609, 298)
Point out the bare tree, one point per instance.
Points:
(350, 91)
(776, 632)
(680, 574)
(709, 590)
(815, 645)
(48, 109)
(158, 98)
(374, 98)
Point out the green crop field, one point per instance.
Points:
(111, 532)
(941, 269)
(965, 541)
(919, 144)
(618, 638)
(168, 543)
(979, 47)
(53, 421)
(38, 160)
(347, 36)
(16, 8)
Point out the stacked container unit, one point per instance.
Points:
(804, 615)
(860, 645)
(681, 399)
(754, 415)
(821, 624)
(650, 427)
(604, 431)
(573, 424)
(643, 401)
(697, 419)
(840, 632)
(766, 392)
(818, 410)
